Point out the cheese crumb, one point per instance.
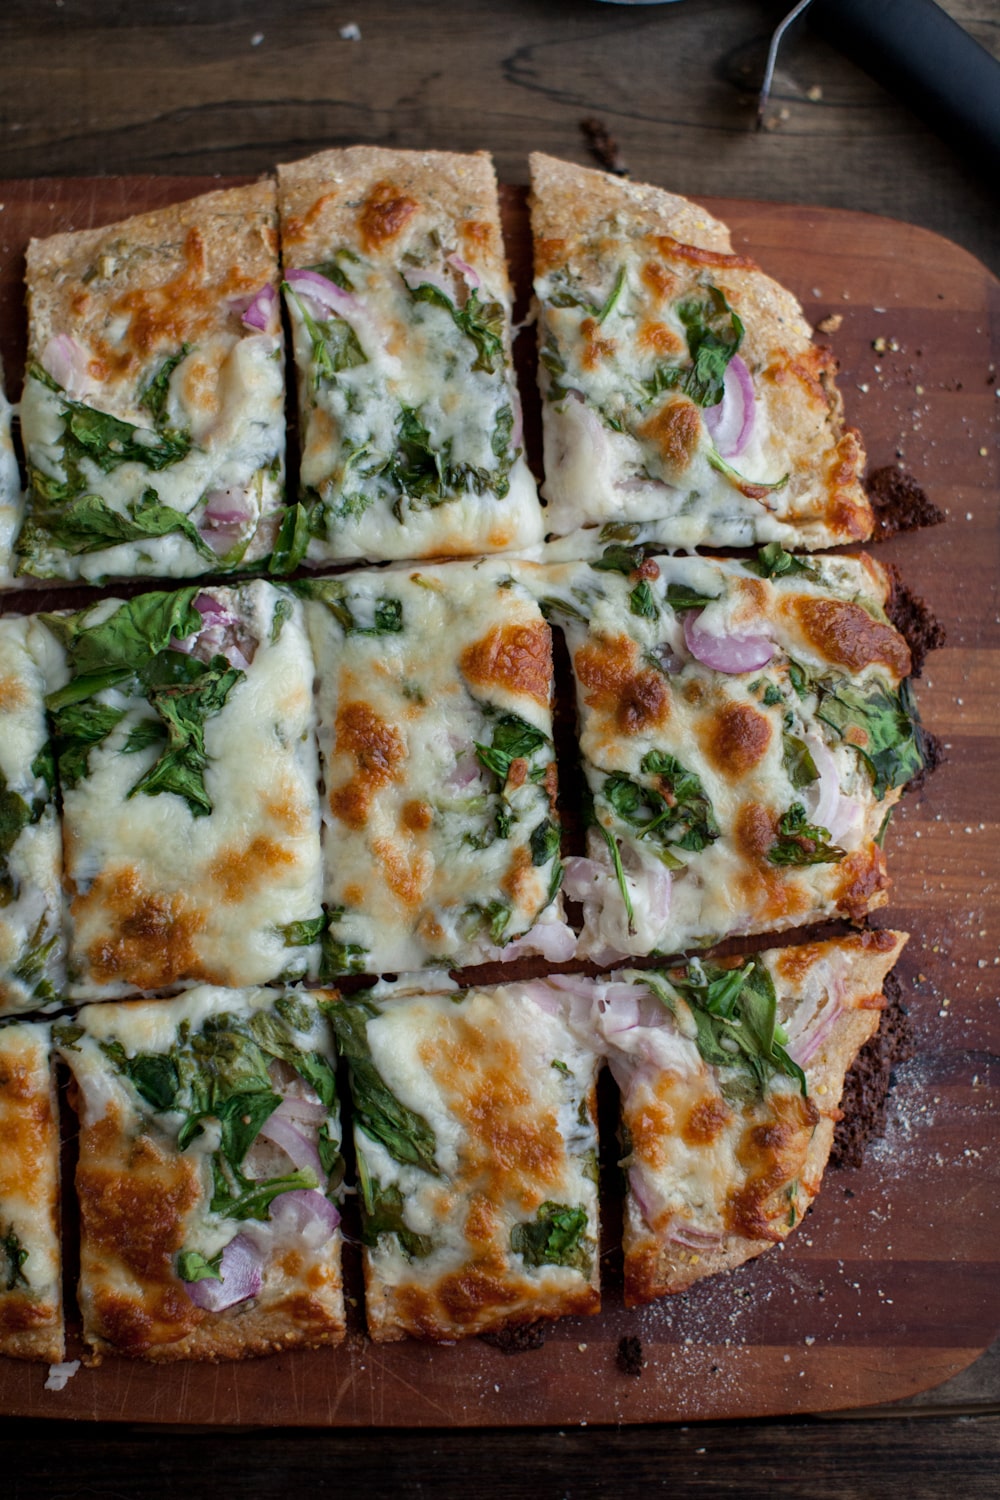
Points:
(59, 1376)
(351, 32)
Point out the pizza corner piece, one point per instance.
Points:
(681, 391)
(209, 1175)
(31, 1311)
(32, 941)
(476, 1142)
(400, 307)
(746, 728)
(441, 831)
(184, 731)
(153, 406)
(730, 1077)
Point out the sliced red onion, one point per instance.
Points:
(580, 876)
(823, 796)
(299, 1149)
(309, 1111)
(694, 1238)
(846, 821)
(261, 309)
(541, 992)
(322, 290)
(464, 269)
(668, 659)
(731, 422)
(517, 431)
(65, 360)
(212, 611)
(242, 1277)
(642, 1194)
(555, 941)
(726, 653)
(305, 1215)
(466, 770)
(415, 276)
(228, 507)
(805, 1047)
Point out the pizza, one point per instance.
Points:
(682, 395)
(11, 498)
(31, 1312)
(209, 1175)
(185, 739)
(745, 730)
(476, 1144)
(399, 302)
(153, 405)
(441, 834)
(730, 1076)
(32, 949)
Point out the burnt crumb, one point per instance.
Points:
(868, 1084)
(629, 1357)
(604, 147)
(915, 621)
(516, 1340)
(899, 503)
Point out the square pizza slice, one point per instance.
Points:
(209, 1175)
(188, 768)
(400, 306)
(681, 391)
(745, 728)
(153, 406)
(11, 496)
(441, 835)
(731, 1076)
(474, 1126)
(31, 1312)
(32, 945)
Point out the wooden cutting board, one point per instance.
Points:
(892, 1283)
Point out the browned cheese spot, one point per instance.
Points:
(651, 1127)
(633, 700)
(385, 213)
(674, 431)
(549, 253)
(407, 877)
(772, 892)
(847, 635)
(13, 694)
(736, 739)
(417, 816)
(243, 869)
(771, 1151)
(150, 940)
(658, 338)
(707, 1120)
(694, 255)
(377, 750)
(520, 880)
(657, 279)
(516, 657)
(26, 1133)
(595, 348)
(477, 235)
(864, 882)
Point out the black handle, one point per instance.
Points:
(919, 53)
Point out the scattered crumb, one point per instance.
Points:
(603, 146)
(351, 32)
(59, 1376)
(830, 323)
(629, 1357)
(815, 93)
(517, 1340)
(256, 39)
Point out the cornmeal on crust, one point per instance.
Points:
(745, 729)
(440, 829)
(153, 406)
(410, 419)
(474, 1125)
(731, 1076)
(682, 396)
(31, 1313)
(185, 739)
(32, 946)
(209, 1165)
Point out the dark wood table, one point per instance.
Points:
(232, 86)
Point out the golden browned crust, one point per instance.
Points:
(171, 273)
(377, 199)
(777, 1151)
(473, 1300)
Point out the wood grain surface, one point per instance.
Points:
(891, 1285)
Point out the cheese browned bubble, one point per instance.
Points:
(32, 948)
(681, 393)
(399, 302)
(153, 408)
(729, 1104)
(745, 731)
(31, 1316)
(441, 836)
(479, 1197)
(190, 804)
(209, 1141)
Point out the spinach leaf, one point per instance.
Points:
(16, 1255)
(544, 842)
(143, 736)
(330, 1158)
(44, 766)
(302, 934)
(620, 558)
(252, 1200)
(714, 333)
(272, 1036)
(797, 760)
(405, 1135)
(773, 561)
(675, 811)
(642, 603)
(679, 597)
(612, 298)
(184, 709)
(482, 322)
(889, 726)
(555, 1237)
(110, 652)
(192, 1266)
(754, 489)
(382, 1213)
(292, 540)
(335, 345)
(387, 611)
(513, 739)
(30, 967)
(495, 916)
(735, 1012)
(77, 729)
(616, 861)
(153, 1075)
(154, 397)
(15, 815)
(86, 523)
(802, 843)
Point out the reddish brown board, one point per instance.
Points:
(893, 1282)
